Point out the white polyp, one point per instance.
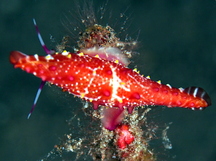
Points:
(36, 57)
(65, 53)
(107, 53)
(168, 85)
(181, 89)
(49, 57)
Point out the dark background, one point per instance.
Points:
(177, 42)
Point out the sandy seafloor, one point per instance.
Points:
(177, 44)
